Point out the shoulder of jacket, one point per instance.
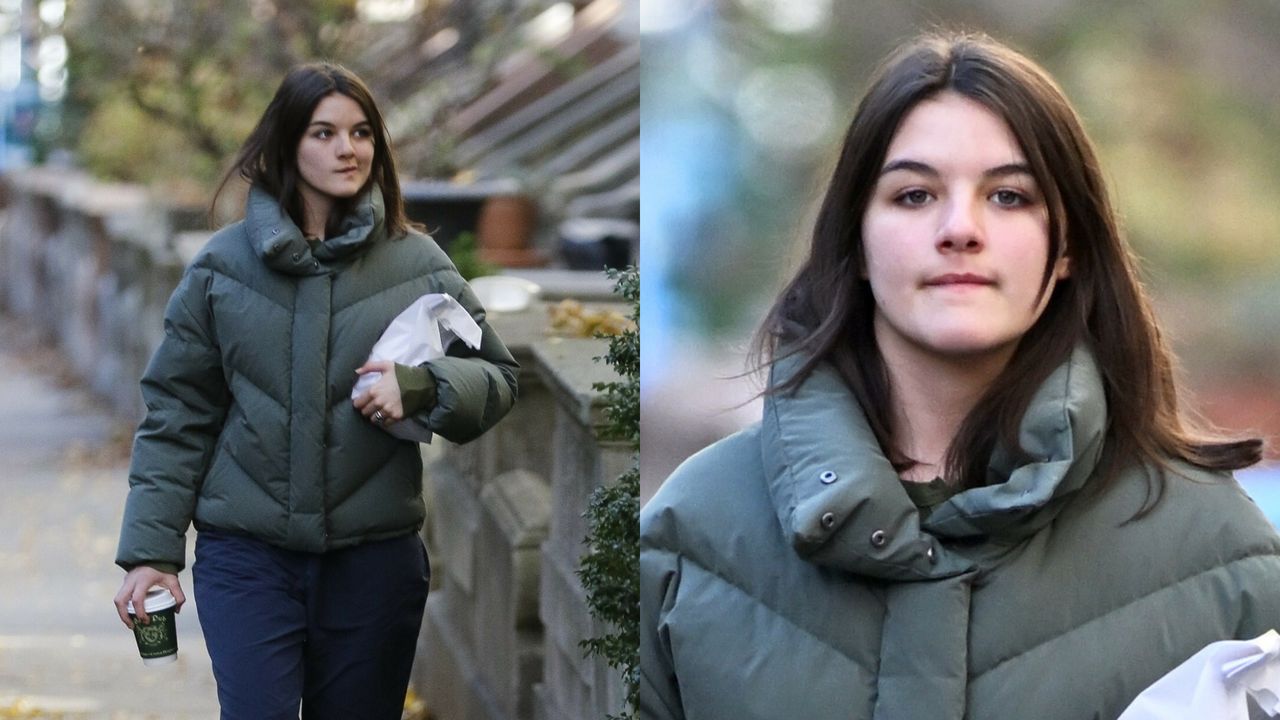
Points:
(418, 254)
(423, 247)
(1205, 513)
(228, 247)
(1196, 491)
(694, 494)
(1189, 488)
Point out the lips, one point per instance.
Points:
(345, 170)
(958, 279)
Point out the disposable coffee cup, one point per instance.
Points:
(158, 640)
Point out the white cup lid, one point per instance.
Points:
(158, 599)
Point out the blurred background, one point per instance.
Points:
(534, 99)
(745, 102)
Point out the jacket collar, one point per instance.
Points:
(282, 246)
(841, 502)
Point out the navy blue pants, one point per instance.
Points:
(335, 632)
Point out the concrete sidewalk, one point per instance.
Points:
(63, 651)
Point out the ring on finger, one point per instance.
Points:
(379, 417)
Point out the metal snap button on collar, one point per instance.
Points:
(827, 477)
(828, 520)
(933, 557)
(879, 538)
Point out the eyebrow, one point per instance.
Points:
(326, 123)
(927, 169)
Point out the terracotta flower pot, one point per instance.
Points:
(504, 231)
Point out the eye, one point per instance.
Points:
(1010, 198)
(363, 132)
(913, 198)
(322, 134)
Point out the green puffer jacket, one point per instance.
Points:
(786, 574)
(250, 425)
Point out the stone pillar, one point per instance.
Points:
(517, 507)
(505, 530)
(574, 686)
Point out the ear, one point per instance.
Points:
(1062, 268)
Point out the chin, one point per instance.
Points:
(968, 345)
(346, 192)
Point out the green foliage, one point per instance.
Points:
(466, 257)
(610, 570)
(611, 574)
(623, 398)
(127, 145)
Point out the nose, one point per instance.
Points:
(344, 146)
(961, 229)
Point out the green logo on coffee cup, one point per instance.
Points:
(153, 634)
(158, 638)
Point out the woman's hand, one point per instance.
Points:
(381, 403)
(136, 584)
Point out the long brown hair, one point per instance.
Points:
(825, 313)
(269, 157)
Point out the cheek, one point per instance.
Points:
(886, 252)
(1026, 262)
(306, 156)
(876, 231)
(889, 275)
(1019, 234)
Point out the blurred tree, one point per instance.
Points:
(164, 91)
(167, 90)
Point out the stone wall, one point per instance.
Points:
(92, 265)
(505, 533)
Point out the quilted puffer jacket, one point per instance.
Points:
(250, 426)
(786, 574)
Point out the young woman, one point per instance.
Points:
(310, 575)
(971, 494)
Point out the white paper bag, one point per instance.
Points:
(422, 332)
(1214, 683)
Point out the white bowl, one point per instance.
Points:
(504, 293)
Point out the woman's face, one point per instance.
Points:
(956, 234)
(335, 155)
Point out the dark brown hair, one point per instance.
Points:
(269, 157)
(825, 313)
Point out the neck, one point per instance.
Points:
(931, 395)
(315, 213)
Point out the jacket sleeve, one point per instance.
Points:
(186, 400)
(1256, 580)
(659, 580)
(1258, 577)
(474, 388)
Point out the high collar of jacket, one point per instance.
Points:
(841, 502)
(283, 247)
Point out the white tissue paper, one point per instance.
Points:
(422, 332)
(1214, 683)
